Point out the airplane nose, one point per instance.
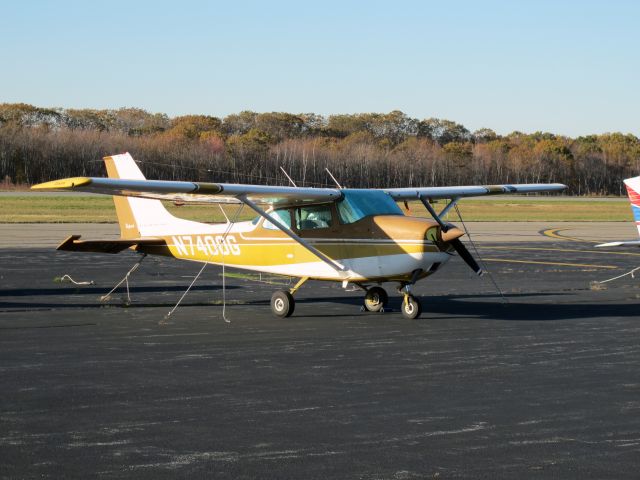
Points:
(451, 234)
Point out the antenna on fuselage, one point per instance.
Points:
(333, 178)
(288, 177)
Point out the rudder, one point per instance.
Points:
(633, 192)
(137, 217)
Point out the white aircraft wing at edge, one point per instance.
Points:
(433, 193)
(635, 243)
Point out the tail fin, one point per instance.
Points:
(140, 217)
(633, 191)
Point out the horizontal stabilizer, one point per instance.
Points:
(74, 244)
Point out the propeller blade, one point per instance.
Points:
(466, 256)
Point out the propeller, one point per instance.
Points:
(451, 234)
(466, 256)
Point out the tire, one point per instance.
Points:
(282, 304)
(376, 299)
(411, 308)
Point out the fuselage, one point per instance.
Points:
(368, 235)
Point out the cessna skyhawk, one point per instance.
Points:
(357, 236)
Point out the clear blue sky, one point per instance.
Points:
(569, 67)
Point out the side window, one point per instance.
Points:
(282, 216)
(310, 218)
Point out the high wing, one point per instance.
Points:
(195, 192)
(435, 193)
(205, 192)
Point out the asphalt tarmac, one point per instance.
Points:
(540, 382)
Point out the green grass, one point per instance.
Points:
(531, 210)
(92, 209)
(261, 278)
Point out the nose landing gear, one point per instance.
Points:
(411, 307)
(376, 299)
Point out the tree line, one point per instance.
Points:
(361, 150)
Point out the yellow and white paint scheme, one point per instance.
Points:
(345, 235)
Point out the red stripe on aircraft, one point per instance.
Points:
(634, 197)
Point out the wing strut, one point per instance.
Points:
(433, 213)
(452, 203)
(332, 263)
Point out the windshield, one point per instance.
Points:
(357, 204)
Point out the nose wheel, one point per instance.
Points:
(376, 299)
(411, 307)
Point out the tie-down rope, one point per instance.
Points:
(224, 298)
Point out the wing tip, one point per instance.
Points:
(63, 184)
(632, 243)
(610, 244)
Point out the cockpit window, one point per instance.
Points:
(282, 216)
(310, 218)
(357, 204)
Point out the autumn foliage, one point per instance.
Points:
(361, 150)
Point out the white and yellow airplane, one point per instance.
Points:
(357, 236)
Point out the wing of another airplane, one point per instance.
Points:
(633, 243)
(434, 193)
(194, 192)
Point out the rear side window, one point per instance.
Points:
(311, 218)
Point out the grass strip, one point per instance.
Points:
(93, 209)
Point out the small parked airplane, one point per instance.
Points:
(633, 187)
(357, 236)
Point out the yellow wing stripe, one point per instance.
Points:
(65, 183)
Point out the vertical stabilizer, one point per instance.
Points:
(139, 217)
(633, 191)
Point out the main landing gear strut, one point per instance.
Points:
(282, 302)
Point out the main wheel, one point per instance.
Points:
(376, 299)
(282, 304)
(411, 308)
